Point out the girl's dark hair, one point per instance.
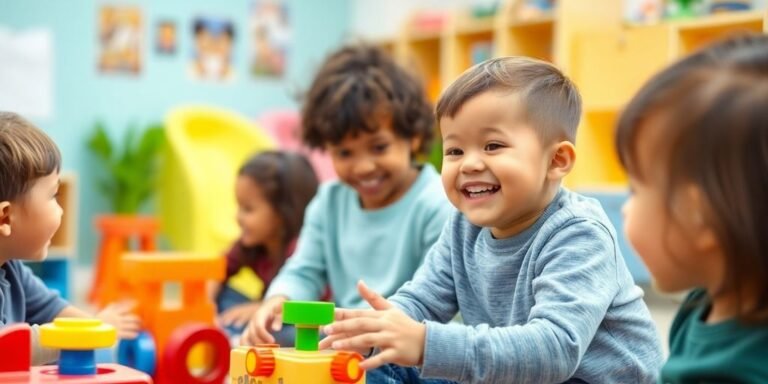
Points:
(288, 182)
(711, 109)
(354, 88)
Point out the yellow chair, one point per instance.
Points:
(206, 147)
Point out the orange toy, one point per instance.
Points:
(117, 233)
(176, 329)
(15, 367)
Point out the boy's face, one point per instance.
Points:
(32, 220)
(495, 170)
(377, 165)
(257, 218)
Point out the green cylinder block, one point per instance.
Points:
(308, 313)
(307, 316)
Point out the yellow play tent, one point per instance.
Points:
(206, 147)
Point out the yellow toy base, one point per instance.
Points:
(270, 365)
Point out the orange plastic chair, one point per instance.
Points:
(118, 232)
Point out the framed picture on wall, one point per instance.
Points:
(120, 39)
(270, 37)
(213, 39)
(165, 37)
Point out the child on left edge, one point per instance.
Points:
(29, 217)
(272, 190)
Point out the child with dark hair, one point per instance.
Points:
(533, 268)
(694, 141)
(378, 221)
(272, 190)
(29, 217)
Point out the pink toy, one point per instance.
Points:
(285, 127)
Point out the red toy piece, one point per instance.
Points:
(15, 367)
(15, 338)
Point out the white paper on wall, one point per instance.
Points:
(26, 72)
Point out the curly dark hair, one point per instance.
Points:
(353, 87)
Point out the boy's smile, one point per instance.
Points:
(478, 191)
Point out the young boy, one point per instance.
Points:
(533, 268)
(378, 221)
(29, 217)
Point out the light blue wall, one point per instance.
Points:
(82, 95)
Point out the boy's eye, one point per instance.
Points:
(379, 148)
(343, 153)
(493, 146)
(453, 152)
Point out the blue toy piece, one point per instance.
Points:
(139, 353)
(77, 362)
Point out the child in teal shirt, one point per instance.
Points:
(378, 221)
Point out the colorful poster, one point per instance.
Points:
(165, 38)
(270, 32)
(213, 43)
(120, 39)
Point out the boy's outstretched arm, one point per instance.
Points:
(119, 314)
(399, 338)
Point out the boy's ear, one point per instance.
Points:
(5, 218)
(562, 159)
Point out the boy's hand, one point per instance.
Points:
(269, 317)
(239, 315)
(120, 315)
(399, 338)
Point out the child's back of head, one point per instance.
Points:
(26, 154)
(694, 141)
(696, 134)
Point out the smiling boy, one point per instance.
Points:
(534, 269)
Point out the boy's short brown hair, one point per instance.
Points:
(355, 87)
(26, 154)
(551, 102)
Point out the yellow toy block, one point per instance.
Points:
(77, 334)
(270, 364)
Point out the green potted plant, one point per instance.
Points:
(128, 182)
(130, 170)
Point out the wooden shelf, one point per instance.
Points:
(466, 24)
(533, 39)
(694, 34)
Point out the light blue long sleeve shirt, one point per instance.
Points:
(551, 304)
(341, 243)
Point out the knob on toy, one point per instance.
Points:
(307, 316)
(77, 339)
(345, 367)
(260, 362)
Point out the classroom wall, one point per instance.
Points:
(81, 95)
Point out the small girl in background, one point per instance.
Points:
(272, 190)
(694, 141)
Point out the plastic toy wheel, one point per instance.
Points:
(345, 367)
(260, 362)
